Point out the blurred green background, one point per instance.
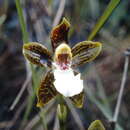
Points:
(102, 78)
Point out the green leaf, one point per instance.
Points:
(108, 11)
(22, 21)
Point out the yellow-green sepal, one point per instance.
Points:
(78, 100)
(84, 52)
(37, 54)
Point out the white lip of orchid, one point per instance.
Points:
(67, 83)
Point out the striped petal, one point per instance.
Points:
(84, 52)
(46, 91)
(59, 34)
(78, 100)
(37, 54)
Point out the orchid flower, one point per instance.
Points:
(61, 63)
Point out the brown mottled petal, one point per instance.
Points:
(78, 100)
(46, 91)
(37, 54)
(59, 33)
(84, 52)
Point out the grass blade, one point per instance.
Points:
(108, 11)
(22, 22)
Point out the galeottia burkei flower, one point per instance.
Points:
(61, 77)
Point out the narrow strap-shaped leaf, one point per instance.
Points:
(108, 11)
(96, 125)
(78, 100)
(84, 52)
(59, 33)
(37, 54)
(46, 91)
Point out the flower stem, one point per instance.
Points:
(62, 113)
